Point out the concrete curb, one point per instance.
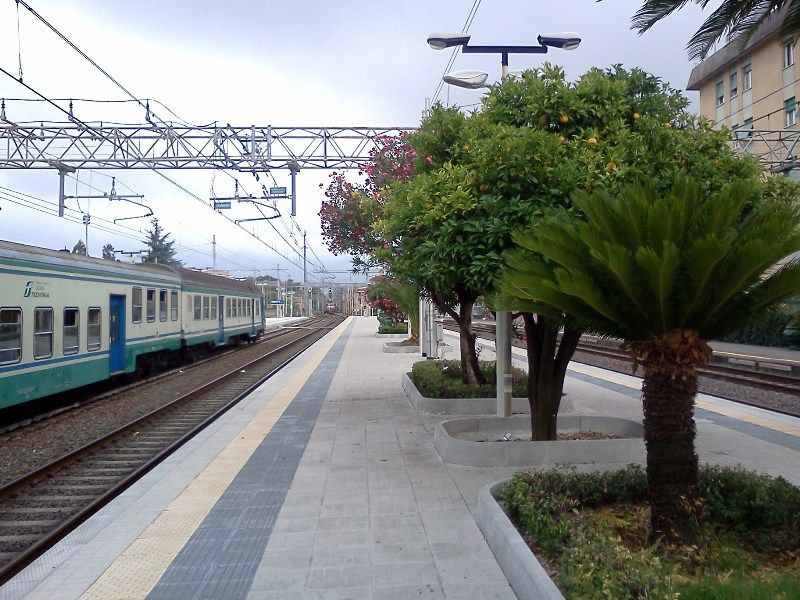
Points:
(525, 574)
(629, 448)
(392, 336)
(395, 347)
(466, 406)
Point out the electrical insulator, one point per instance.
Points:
(86, 219)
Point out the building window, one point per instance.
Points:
(151, 305)
(136, 301)
(10, 335)
(213, 308)
(198, 307)
(93, 340)
(791, 112)
(747, 76)
(71, 331)
(788, 54)
(162, 305)
(43, 333)
(720, 93)
(206, 309)
(734, 86)
(173, 299)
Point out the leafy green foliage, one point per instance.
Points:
(764, 329)
(394, 328)
(442, 379)
(642, 263)
(404, 295)
(589, 528)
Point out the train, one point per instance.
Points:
(68, 320)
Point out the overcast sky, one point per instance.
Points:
(312, 62)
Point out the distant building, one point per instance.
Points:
(355, 301)
(751, 84)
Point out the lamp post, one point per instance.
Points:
(475, 80)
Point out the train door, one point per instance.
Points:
(221, 313)
(116, 346)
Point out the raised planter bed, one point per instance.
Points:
(466, 406)
(524, 572)
(457, 442)
(397, 347)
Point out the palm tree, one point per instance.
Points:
(732, 17)
(664, 273)
(404, 294)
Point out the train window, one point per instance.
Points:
(151, 305)
(43, 333)
(206, 307)
(93, 339)
(71, 331)
(213, 308)
(228, 308)
(10, 335)
(249, 305)
(136, 301)
(198, 310)
(239, 307)
(173, 300)
(162, 305)
(258, 309)
(234, 307)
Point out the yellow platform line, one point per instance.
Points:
(709, 405)
(140, 566)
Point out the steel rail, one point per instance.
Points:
(25, 557)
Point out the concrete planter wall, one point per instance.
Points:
(524, 572)
(457, 442)
(396, 347)
(466, 406)
(392, 336)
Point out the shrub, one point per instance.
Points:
(442, 379)
(395, 328)
(764, 330)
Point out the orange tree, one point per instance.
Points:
(535, 141)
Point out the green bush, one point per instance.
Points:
(744, 510)
(765, 330)
(442, 379)
(396, 328)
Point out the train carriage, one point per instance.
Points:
(68, 320)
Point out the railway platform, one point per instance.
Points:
(325, 483)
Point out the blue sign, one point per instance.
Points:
(276, 301)
(277, 191)
(221, 205)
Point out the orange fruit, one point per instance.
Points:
(563, 119)
(636, 116)
(484, 187)
(592, 141)
(562, 139)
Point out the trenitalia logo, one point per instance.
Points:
(34, 289)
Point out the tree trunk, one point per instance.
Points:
(470, 369)
(547, 368)
(669, 432)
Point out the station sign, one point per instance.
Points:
(221, 205)
(277, 191)
(276, 301)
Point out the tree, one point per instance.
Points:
(664, 271)
(108, 252)
(160, 248)
(80, 248)
(731, 18)
(404, 296)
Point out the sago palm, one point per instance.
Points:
(731, 17)
(664, 273)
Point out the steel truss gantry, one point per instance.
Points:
(251, 148)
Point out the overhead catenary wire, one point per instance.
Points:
(467, 24)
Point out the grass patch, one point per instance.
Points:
(442, 379)
(395, 328)
(590, 531)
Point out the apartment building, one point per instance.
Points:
(751, 84)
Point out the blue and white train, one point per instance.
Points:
(68, 320)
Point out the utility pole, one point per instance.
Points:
(278, 290)
(214, 251)
(305, 282)
(86, 219)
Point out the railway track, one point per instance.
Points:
(33, 418)
(38, 509)
(780, 382)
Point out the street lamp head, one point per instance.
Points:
(565, 41)
(472, 80)
(439, 40)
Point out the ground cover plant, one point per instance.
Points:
(591, 533)
(442, 379)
